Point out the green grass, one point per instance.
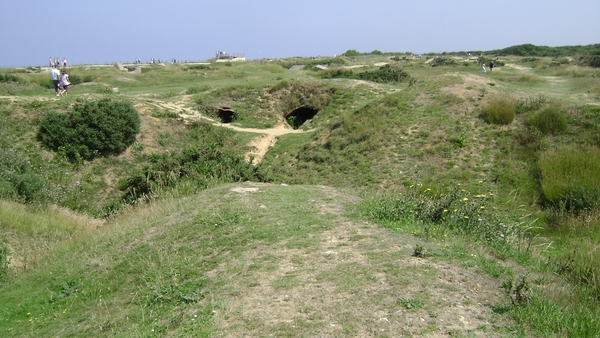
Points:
(183, 260)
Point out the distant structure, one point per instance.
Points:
(224, 57)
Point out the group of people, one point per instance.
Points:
(491, 67)
(56, 62)
(60, 79)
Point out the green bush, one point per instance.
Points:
(17, 179)
(447, 209)
(386, 74)
(92, 129)
(439, 61)
(199, 163)
(351, 52)
(500, 110)
(570, 178)
(8, 78)
(551, 120)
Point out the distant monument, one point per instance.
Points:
(224, 57)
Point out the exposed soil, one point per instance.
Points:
(398, 295)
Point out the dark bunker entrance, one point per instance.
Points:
(227, 114)
(298, 116)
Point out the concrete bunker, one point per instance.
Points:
(297, 117)
(227, 114)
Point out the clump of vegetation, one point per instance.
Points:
(280, 85)
(500, 110)
(450, 209)
(92, 129)
(197, 67)
(18, 180)
(8, 78)
(439, 61)
(196, 89)
(3, 262)
(385, 74)
(531, 103)
(570, 179)
(550, 121)
(200, 164)
(519, 292)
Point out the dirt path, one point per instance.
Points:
(260, 145)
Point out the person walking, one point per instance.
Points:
(483, 68)
(65, 62)
(55, 73)
(50, 61)
(491, 66)
(64, 82)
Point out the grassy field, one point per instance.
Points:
(409, 200)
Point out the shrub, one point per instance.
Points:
(500, 110)
(438, 61)
(445, 209)
(199, 163)
(8, 78)
(92, 129)
(338, 73)
(17, 179)
(570, 178)
(551, 120)
(351, 52)
(386, 74)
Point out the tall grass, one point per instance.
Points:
(550, 121)
(570, 178)
(500, 110)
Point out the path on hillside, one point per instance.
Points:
(259, 145)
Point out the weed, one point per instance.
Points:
(419, 251)
(519, 292)
(531, 103)
(410, 303)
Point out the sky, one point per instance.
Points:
(109, 31)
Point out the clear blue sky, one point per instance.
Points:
(107, 31)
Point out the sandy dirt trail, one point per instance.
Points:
(260, 144)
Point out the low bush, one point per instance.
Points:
(385, 74)
(500, 110)
(18, 181)
(449, 209)
(438, 61)
(550, 121)
(7, 78)
(92, 129)
(198, 163)
(570, 179)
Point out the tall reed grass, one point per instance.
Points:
(570, 178)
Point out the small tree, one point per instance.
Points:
(351, 52)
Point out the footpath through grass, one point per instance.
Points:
(254, 260)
